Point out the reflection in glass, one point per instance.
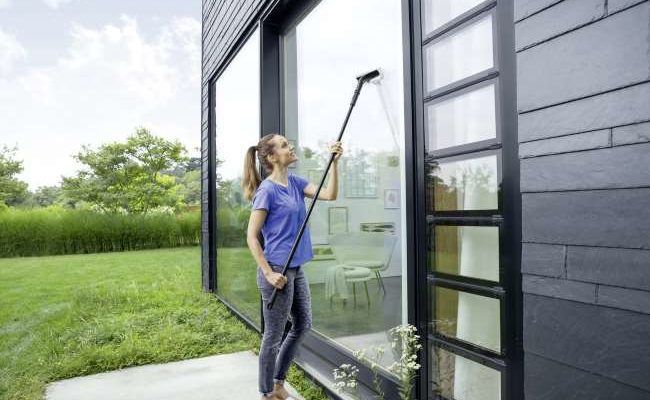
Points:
(237, 127)
(469, 317)
(471, 251)
(438, 12)
(459, 55)
(455, 377)
(365, 248)
(463, 119)
(469, 184)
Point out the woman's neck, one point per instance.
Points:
(280, 175)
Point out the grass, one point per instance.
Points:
(73, 315)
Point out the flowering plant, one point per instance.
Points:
(404, 341)
(345, 379)
(407, 340)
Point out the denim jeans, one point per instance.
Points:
(294, 301)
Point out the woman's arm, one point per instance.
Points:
(255, 223)
(332, 189)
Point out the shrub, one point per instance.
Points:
(56, 230)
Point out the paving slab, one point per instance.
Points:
(222, 377)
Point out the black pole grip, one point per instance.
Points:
(355, 96)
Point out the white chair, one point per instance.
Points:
(371, 250)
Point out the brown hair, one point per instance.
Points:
(251, 178)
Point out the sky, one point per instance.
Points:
(89, 72)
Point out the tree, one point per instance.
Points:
(12, 190)
(46, 195)
(129, 175)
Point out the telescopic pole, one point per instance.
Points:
(360, 81)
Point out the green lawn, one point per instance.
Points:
(73, 315)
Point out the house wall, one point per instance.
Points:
(583, 72)
(224, 22)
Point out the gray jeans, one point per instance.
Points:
(293, 300)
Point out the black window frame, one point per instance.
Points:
(508, 215)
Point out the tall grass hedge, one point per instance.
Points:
(56, 230)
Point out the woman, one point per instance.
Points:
(278, 211)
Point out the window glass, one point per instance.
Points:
(237, 126)
(358, 239)
(466, 118)
(460, 54)
(469, 317)
(435, 13)
(469, 184)
(471, 251)
(455, 377)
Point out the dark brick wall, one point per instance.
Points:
(583, 88)
(224, 22)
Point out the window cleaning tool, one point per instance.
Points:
(361, 80)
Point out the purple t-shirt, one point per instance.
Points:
(285, 208)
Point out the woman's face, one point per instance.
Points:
(284, 152)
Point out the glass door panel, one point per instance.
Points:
(471, 251)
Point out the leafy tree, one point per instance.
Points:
(128, 176)
(46, 195)
(12, 190)
(190, 187)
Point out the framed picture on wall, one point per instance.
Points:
(386, 227)
(337, 220)
(391, 198)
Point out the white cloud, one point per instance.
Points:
(4, 4)
(55, 4)
(11, 52)
(110, 80)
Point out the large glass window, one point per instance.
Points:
(237, 126)
(358, 276)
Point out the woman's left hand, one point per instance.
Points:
(337, 149)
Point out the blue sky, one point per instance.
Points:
(76, 72)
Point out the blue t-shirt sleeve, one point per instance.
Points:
(301, 182)
(262, 199)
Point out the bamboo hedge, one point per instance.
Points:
(51, 231)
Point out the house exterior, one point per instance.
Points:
(494, 188)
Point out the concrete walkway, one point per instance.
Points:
(222, 377)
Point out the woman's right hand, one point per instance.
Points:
(276, 279)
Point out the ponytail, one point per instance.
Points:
(251, 178)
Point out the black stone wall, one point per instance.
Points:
(583, 72)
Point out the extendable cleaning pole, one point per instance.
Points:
(361, 80)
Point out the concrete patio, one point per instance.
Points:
(221, 377)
